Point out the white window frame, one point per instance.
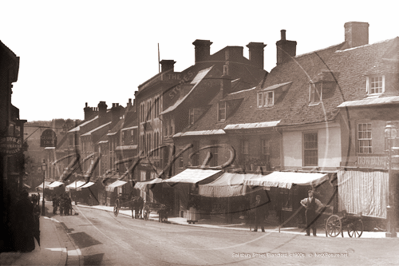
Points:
(310, 149)
(265, 146)
(220, 107)
(260, 99)
(267, 96)
(370, 81)
(364, 135)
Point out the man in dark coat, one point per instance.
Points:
(260, 213)
(24, 223)
(55, 203)
(312, 205)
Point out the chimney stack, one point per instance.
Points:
(356, 34)
(88, 112)
(202, 50)
(256, 54)
(102, 111)
(115, 113)
(285, 49)
(167, 65)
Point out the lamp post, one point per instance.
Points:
(44, 166)
(390, 134)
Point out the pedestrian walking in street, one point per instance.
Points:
(55, 203)
(24, 224)
(260, 213)
(312, 206)
(62, 204)
(68, 205)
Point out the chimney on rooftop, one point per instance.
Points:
(167, 65)
(356, 34)
(256, 54)
(89, 113)
(285, 49)
(202, 50)
(115, 113)
(102, 111)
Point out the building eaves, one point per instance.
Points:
(98, 128)
(371, 101)
(252, 125)
(200, 133)
(76, 129)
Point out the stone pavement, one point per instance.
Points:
(52, 250)
(220, 224)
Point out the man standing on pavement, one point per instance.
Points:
(260, 212)
(312, 206)
(55, 204)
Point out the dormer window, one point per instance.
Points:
(375, 85)
(265, 99)
(222, 111)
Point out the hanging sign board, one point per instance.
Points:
(48, 138)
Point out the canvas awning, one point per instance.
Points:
(89, 184)
(287, 179)
(46, 184)
(226, 185)
(75, 184)
(117, 183)
(192, 176)
(55, 184)
(143, 185)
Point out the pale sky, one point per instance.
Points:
(72, 52)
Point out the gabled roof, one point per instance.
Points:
(76, 129)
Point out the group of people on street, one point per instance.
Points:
(62, 202)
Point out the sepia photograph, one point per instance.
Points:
(199, 132)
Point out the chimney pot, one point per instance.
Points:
(283, 35)
(167, 65)
(256, 53)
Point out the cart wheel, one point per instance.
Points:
(333, 226)
(116, 208)
(355, 229)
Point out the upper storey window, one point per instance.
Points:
(265, 99)
(375, 85)
(222, 111)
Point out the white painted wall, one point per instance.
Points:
(329, 144)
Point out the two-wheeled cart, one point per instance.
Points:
(124, 200)
(337, 223)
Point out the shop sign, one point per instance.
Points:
(372, 161)
(48, 138)
(10, 145)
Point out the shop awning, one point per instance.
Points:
(226, 185)
(55, 184)
(75, 184)
(287, 179)
(143, 185)
(192, 176)
(46, 184)
(112, 186)
(89, 184)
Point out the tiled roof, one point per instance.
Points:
(347, 67)
(97, 128)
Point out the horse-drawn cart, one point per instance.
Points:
(160, 208)
(122, 201)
